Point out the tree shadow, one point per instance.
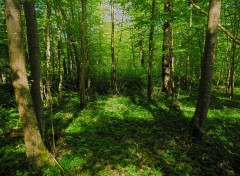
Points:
(222, 101)
(111, 142)
(218, 152)
(115, 142)
(119, 135)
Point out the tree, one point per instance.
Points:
(34, 56)
(200, 116)
(188, 80)
(150, 54)
(35, 149)
(83, 56)
(114, 61)
(48, 54)
(167, 57)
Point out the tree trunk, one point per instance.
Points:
(60, 76)
(76, 54)
(200, 116)
(151, 48)
(48, 56)
(167, 58)
(114, 62)
(34, 55)
(35, 149)
(188, 81)
(233, 54)
(140, 42)
(121, 30)
(83, 56)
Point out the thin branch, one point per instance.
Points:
(220, 26)
(56, 161)
(229, 34)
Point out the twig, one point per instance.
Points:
(220, 26)
(59, 165)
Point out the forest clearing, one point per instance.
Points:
(119, 88)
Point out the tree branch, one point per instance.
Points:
(220, 26)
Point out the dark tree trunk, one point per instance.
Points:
(167, 58)
(140, 42)
(35, 149)
(150, 54)
(200, 116)
(34, 56)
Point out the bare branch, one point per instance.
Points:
(220, 26)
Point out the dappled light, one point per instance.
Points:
(119, 88)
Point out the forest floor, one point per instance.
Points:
(124, 135)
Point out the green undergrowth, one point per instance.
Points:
(125, 135)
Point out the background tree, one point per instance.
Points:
(151, 48)
(48, 93)
(83, 55)
(114, 61)
(167, 57)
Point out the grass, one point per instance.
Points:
(124, 135)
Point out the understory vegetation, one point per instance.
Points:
(125, 135)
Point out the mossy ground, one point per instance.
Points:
(124, 135)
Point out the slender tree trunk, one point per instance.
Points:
(83, 56)
(140, 42)
(59, 52)
(69, 62)
(77, 60)
(151, 48)
(35, 149)
(167, 58)
(48, 56)
(60, 76)
(228, 68)
(34, 55)
(200, 116)
(233, 54)
(114, 62)
(188, 81)
(65, 71)
(133, 54)
(232, 69)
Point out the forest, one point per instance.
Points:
(120, 87)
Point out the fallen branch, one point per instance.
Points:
(220, 26)
(56, 161)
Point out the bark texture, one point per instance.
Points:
(34, 56)
(167, 58)
(48, 56)
(35, 149)
(200, 116)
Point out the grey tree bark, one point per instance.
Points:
(200, 116)
(36, 151)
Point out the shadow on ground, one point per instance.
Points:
(116, 136)
(126, 136)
